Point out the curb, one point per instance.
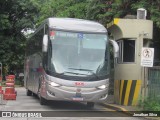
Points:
(117, 108)
(111, 106)
(121, 109)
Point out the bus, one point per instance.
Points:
(67, 59)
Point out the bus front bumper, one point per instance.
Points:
(74, 94)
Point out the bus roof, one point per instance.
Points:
(74, 24)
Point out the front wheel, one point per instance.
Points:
(90, 104)
(29, 93)
(43, 101)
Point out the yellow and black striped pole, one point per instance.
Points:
(126, 92)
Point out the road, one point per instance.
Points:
(25, 106)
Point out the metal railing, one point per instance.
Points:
(154, 81)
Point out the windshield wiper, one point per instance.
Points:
(91, 71)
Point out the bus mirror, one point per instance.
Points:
(115, 48)
(45, 43)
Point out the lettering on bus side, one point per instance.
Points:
(79, 83)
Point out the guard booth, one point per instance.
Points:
(131, 35)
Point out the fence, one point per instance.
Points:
(154, 81)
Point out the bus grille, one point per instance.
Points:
(74, 89)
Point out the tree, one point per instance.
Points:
(63, 8)
(104, 11)
(15, 15)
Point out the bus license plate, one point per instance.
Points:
(77, 99)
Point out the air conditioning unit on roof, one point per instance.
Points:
(141, 13)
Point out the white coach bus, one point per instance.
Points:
(68, 59)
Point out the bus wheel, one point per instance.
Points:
(29, 93)
(43, 101)
(35, 95)
(90, 104)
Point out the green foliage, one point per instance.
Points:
(104, 11)
(4, 22)
(151, 104)
(75, 11)
(100, 11)
(15, 15)
(63, 8)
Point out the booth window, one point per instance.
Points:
(126, 51)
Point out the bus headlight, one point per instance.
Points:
(102, 87)
(54, 84)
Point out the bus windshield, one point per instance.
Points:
(78, 54)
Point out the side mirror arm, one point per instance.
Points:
(45, 43)
(115, 48)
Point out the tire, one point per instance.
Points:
(90, 104)
(43, 101)
(35, 95)
(29, 93)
